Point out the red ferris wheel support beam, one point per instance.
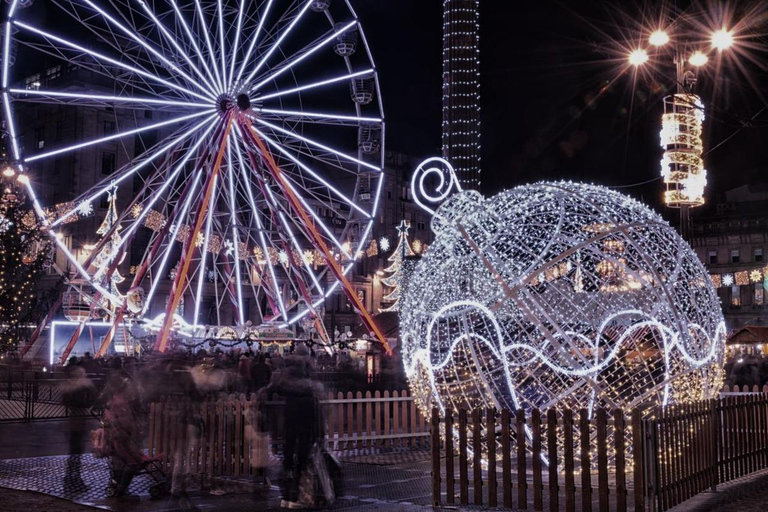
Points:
(177, 291)
(309, 224)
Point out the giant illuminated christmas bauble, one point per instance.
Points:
(559, 294)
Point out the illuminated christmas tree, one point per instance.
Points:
(24, 253)
(397, 270)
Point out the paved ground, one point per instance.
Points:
(33, 458)
(400, 486)
(748, 494)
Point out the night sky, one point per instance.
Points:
(555, 104)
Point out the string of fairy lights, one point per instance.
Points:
(461, 89)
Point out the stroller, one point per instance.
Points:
(126, 458)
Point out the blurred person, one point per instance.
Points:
(78, 394)
(301, 426)
(244, 365)
(187, 414)
(261, 372)
(122, 419)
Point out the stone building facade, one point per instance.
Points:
(732, 241)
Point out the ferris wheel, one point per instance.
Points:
(247, 152)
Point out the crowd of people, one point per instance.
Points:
(130, 386)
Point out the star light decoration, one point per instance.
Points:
(5, 224)
(515, 306)
(384, 244)
(85, 208)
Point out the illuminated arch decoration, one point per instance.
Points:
(559, 294)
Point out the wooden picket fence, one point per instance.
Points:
(745, 389)
(237, 433)
(603, 462)
(538, 458)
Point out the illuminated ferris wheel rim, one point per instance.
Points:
(216, 93)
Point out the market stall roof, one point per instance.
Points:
(749, 335)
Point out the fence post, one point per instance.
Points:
(568, 465)
(714, 411)
(477, 453)
(463, 470)
(490, 431)
(585, 461)
(619, 461)
(638, 452)
(522, 477)
(602, 459)
(538, 489)
(506, 460)
(450, 491)
(554, 505)
(435, 434)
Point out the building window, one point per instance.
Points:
(759, 295)
(32, 83)
(734, 256)
(735, 296)
(759, 254)
(421, 226)
(107, 163)
(109, 127)
(52, 73)
(40, 138)
(147, 114)
(713, 257)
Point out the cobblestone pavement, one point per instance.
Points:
(748, 494)
(402, 484)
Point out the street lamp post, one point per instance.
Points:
(682, 166)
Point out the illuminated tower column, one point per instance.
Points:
(461, 89)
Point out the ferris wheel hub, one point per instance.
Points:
(243, 101)
(228, 101)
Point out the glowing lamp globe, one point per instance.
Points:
(559, 295)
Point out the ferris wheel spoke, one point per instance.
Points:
(305, 53)
(312, 117)
(192, 40)
(235, 241)
(204, 28)
(300, 250)
(315, 175)
(275, 210)
(260, 228)
(317, 220)
(131, 34)
(314, 143)
(235, 44)
(179, 167)
(315, 85)
(11, 127)
(116, 136)
(203, 257)
(100, 100)
(174, 232)
(171, 38)
(254, 41)
(222, 47)
(107, 183)
(279, 41)
(104, 58)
